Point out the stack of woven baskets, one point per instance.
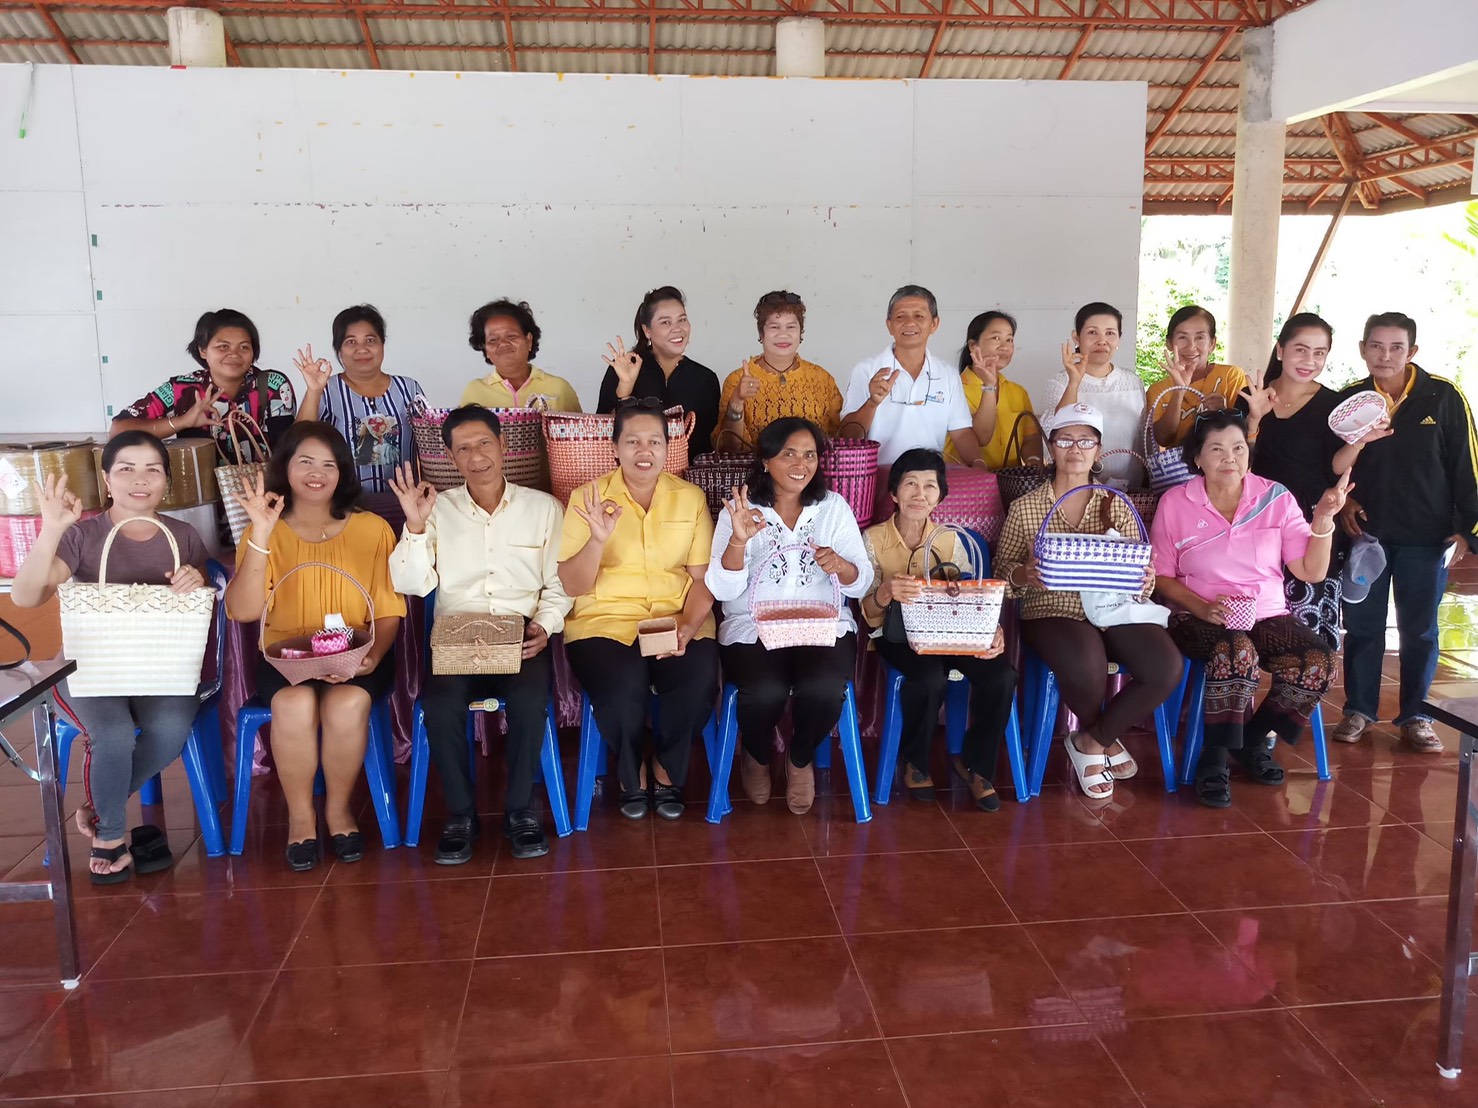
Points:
(22, 465)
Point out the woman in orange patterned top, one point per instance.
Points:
(779, 382)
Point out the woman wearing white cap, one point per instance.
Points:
(1054, 624)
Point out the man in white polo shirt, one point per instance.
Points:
(905, 396)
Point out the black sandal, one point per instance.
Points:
(1214, 786)
(110, 854)
(302, 856)
(150, 849)
(348, 847)
(1260, 765)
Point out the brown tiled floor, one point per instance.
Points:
(1145, 952)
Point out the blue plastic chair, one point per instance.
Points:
(595, 756)
(205, 765)
(849, 734)
(1194, 677)
(956, 717)
(1040, 690)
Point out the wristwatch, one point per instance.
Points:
(735, 416)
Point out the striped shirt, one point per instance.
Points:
(378, 428)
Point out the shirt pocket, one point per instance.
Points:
(674, 541)
(522, 567)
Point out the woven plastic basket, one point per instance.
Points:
(851, 465)
(1241, 611)
(580, 447)
(786, 623)
(974, 502)
(17, 536)
(432, 460)
(23, 466)
(473, 643)
(1145, 501)
(1354, 418)
(1073, 562)
(316, 667)
(1016, 481)
(956, 616)
(241, 479)
(1166, 465)
(718, 475)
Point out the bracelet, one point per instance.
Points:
(1323, 534)
(734, 416)
(170, 420)
(258, 549)
(733, 543)
(988, 388)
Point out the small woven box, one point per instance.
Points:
(328, 642)
(476, 643)
(657, 636)
(1241, 611)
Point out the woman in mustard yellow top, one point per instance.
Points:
(304, 511)
(635, 546)
(777, 383)
(1189, 340)
(995, 403)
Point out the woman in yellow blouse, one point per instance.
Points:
(779, 382)
(1189, 340)
(990, 344)
(304, 511)
(1054, 623)
(635, 546)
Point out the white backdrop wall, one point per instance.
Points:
(142, 197)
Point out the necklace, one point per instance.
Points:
(777, 372)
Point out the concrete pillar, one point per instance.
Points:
(197, 37)
(1257, 205)
(800, 47)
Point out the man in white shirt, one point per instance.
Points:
(488, 548)
(906, 397)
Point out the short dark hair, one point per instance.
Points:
(769, 444)
(1206, 423)
(1185, 314)
(976, 329)
(906, 292)
(779, 302)
(208, 326)
(125, 439)
(359, 313)
(519, 312)
(919, 459)
(647, 309)
(1300, 321)
(633, 406)
(1098, 307)
(346, 494)
(1391, 319)
(469, 413)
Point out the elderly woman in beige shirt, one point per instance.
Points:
(489, 547)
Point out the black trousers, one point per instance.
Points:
(767, 679)
(925, 678)
(525, 696)
(619, 681)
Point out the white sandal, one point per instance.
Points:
(1082, 762)
(1122, 758)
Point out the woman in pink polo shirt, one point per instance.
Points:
(1221, 541)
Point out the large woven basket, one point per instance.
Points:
(787, 623)
(955, 615)
(1145, 501)
(473, 643)
(25, 465)
(431, 455)
(1016, 481)
(317, 667)
(718, 475)
(240, 479)
(192, 472)
(580, 447)
(974, 502)
(17, 536)
(1074, 562)
(134, 640)
(851, 465)
(1166, 465)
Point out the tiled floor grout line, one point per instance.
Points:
(471, 972)
(1311, 1033)
(662, 956)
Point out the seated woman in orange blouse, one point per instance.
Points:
(304, 511)
(777, 383)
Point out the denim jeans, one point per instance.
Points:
(1419, 577)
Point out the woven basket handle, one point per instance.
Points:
(1135, 454)
(969, 541)
(419, 404)
(1144, 534)
(252, 430)
(776, 552)
(174, 547)
(1150, 445)
(267, 604)
(1013, 441)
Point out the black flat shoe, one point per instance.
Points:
(523, 830)
(1214, 786)
(1259, 764)
(348, 847)
(302, 856)
(667, 801)
(150, 849)
(110, 855)
(635, 804)
(457, 836)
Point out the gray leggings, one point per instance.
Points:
(133, 738)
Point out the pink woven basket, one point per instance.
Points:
(1241, 611)
(786, 623)
(718, 475)
(974, 502)
(18, 534)
(294, 657)
(851, 465)
(580, 448)
(524, 462)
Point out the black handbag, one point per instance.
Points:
(26, 646)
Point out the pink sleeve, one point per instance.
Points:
(1296, 530)
(1162, 537)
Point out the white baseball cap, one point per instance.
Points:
(1076, 415)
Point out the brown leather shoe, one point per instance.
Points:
(755, 778)
(800, 787)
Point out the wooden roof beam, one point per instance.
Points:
(935, 40)
(369, 43)
(56, 31)
(1185, 93)
(1351, 156)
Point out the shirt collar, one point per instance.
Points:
(535, 374)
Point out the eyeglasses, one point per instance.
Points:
(1081, 444)
(931, 395)
(640, 403)
(1231, 413)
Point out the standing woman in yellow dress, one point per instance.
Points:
(990, 344)
(1189, 340)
